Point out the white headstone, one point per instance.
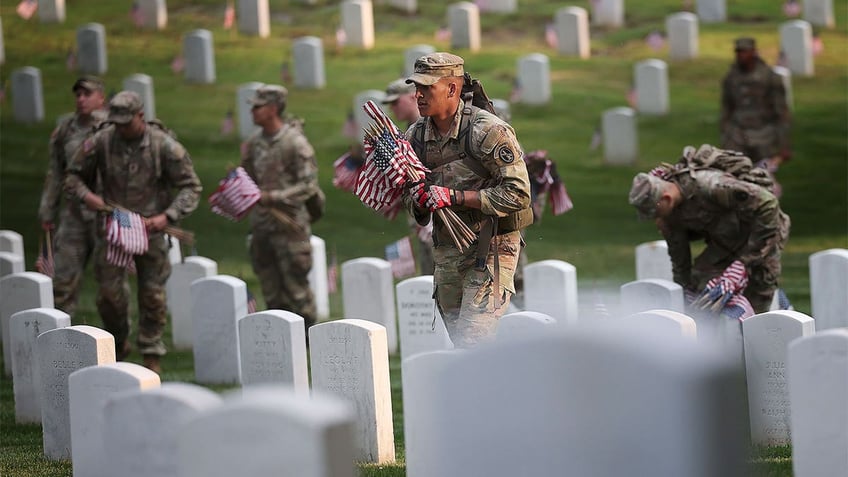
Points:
(819, 13)
(608, 13)
(786, 77)
(91, 49)
(141, 427)
(668, 408)
(11, 241)
(406, 6)
(27, 95)
(269, 430)
(682, 30)
(10, 263)
(464, 25)
(18, 292)
(308, 52)
(175, 252)
(24, 328)
(420, 325)
(817, 371)
(217, 303)
(711, 11)
(143, 85)
(178, 294)
(620, 138)
(767, 337)
(254, 18)
(368, 293)
(360, 116)
(154, 14)
(650, 294)
(664, 321)
(245, 92)
(652, 87)
(796, 43)
(534, 78)
(199, 54)
(572, 31)
(524, 324)
(502, 108)
(272, 345)
(349, 359)
(652, 261)
(358, 23)
(89, 390)
(51, 11)
(318, 277)
(62, 351)
(829, 288)
(499, 6)
(550, 287)
(413, 53)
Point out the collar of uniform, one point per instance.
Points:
(432, 134)
(277, 135)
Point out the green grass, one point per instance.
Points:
(598, 236)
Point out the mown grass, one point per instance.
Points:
(598, 236)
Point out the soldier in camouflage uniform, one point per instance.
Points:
(77, 232)
(737, 219)
(141, 166)
(281, 161)
(754, 114)
(472, 287)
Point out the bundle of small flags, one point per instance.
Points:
(738, 308)
(399, 255)
(44, 262)
(546, 181)
(126, 236)
(235, 196)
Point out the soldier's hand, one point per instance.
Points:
(93, 201)
(265, 198)
(419, 193)
(156, 223)
(47, 226)
(438, 197)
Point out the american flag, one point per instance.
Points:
(655, 40)
(345, 172)
(137, 15)
(546, 180)
(229, 16)
(349, 126)
(333, 275)
(551, 36)
(44, 262)
(71, 61)
(791, 8)
(442, 34)
(251, 302)
(738, 308)
(341, 37)
(26, 9)
(178, 64)
(227, 125)
(235, 195)
(399, 255)
(126, 236)
(632, 97)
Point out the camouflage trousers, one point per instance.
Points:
(282, 266)
(425, 247)
(466, 296)
(756, 143)
(73, 246)
(113, 296)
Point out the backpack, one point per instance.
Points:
(732, 162)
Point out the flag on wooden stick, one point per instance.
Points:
(399, 255)
(44, 262)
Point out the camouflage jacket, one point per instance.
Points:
(283, 165)
(738, 220)
(64, 142)
(140, 175)
(494, 145)
(755, 99)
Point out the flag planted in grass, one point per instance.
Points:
(44, 262)
(399, 255)
(26, 9)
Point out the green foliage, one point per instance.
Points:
(598, 236)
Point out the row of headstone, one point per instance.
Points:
(12, 257)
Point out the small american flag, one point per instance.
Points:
(229, 16)
(26, 9)
(551, 36)
(791, 8)
(251, 302)
(235, 196)
(178, 64)
(333, 275)
(126, 236)
(44, 262)
(399, 255)
(137, 15)
(71, 61)
(341, 37)
(818, 45)
(442, 34)
(632, 97)
(227, 125)
(655, 40)
(345, 172)
(738, 308)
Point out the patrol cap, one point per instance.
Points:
(269, 94)
(88, 83)
(745, 43)
(396, 89)
(124, 106)
(431, 68)
(645, 193)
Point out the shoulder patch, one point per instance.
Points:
(505, 154)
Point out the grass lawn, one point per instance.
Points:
(598, 236)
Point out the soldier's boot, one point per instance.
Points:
(151, 362)
(123, 351)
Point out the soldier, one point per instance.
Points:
(740, 222)
(477, 170)
(77, 232)
(400, 96)
(754, 115)
(281, 161)
(141, 166)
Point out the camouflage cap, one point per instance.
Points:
(124, 106)
(645, 194)
(88, 83)
(396, 89)
(431, 68)
(269, 94)
(745, 43)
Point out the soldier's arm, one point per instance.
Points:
(756, 207)
(679, 252)
(51, 193)
(503, 158)
(305, 167)
(177, 164)
(81, 166)
(420, 214)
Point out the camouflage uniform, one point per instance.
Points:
(754, 113)
(465, 293)
(738, 220)
(283, 165)
(77, 231)
(140, 175)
